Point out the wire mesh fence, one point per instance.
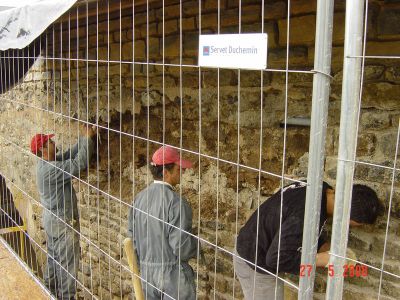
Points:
(117, 80)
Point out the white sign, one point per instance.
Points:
(238, 51)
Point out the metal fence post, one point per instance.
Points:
(319, 113)
(347, 142)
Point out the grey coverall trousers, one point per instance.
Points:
(54, 181)
(257, 286)
(63, 255)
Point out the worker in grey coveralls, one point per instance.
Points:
(60, 213)
(159, 224)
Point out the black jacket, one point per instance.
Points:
(294, 196)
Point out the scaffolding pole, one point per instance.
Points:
(319, 113)
(351, 86)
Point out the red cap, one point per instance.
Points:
(168, 155)
(38, 141)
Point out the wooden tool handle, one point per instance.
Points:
(132, 261)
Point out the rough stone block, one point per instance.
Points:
(297, 143)
(251, 13)
(140, 50)
(302, 31)
(127, 51)
(371, 73)
(297, 57)
(129, 34)
(386, 144)
(395, 202)
(115, 51)
(118, 36)
(298, 7)
(213, 5)
(171, 46)
(189, 24)
(115, 70)
(28, 77)
(366, 144)
(374, 120)
(372, 24)
(381, 95)
(93, 39)
(226, 238)
(154, 47)
(338, 29)
(209, 21)
(395, 120)
(170, 12)
(360, 240)
(220, 283)
(190, 8)
(111, 26)
(388, 21)
(380, 174)
(392, 73)
(229, 18)
(383, 48)
(170, 26)
(43, 75)
(100, 53)
(392, 246)
(150, 30)
(190, 44)
(250, 79)
(143, 17)
(274, 11)
(360, 172)
(210, 78)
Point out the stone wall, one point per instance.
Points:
(202, 110)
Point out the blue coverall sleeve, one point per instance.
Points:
(183, 244)
(70, 153)
(72, 166)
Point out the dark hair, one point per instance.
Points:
(365, 205)
(157, 171)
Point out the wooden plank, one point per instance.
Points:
(12, 229)
(15, 282)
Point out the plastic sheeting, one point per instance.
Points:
(20, 26)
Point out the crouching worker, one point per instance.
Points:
(159, 223)
(364, 210)
(60, 214)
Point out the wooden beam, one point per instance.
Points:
(12, 229)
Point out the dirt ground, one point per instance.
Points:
(15, 282)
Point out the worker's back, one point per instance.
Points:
(259, 239)
(156, 241)
(56, 193)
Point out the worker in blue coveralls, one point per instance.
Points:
(60, 214)
(159, 223)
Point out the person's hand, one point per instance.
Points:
(350, 254)
(322, 259)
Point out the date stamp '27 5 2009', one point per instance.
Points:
(348, 270)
